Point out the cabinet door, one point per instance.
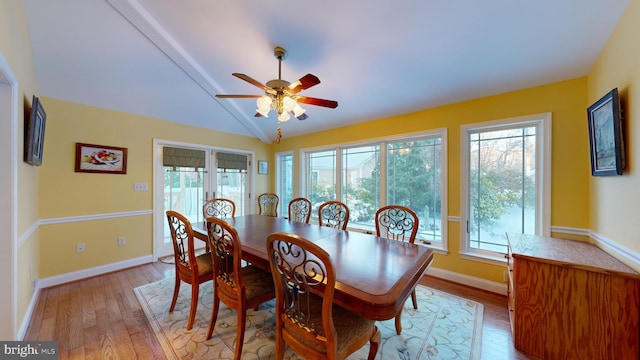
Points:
(530, 291)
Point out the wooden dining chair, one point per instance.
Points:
(398, 223)
(333, 214)
(192, 269)
(238, 287)
(300, 210)
(268, 204)
(310, 324)
(219, 207)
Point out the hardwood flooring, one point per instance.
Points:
(100, 317)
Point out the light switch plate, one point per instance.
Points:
(140, 187)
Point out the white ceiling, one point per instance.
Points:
(167, 59)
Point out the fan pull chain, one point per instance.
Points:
(279, 135)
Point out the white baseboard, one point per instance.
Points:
(22, 331)
(98, 270)
(73, 276)
(467, 280)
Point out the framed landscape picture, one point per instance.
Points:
(606, 136)
(34, 133)
(101, 159)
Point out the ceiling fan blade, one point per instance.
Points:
(238, 96)
(303, 83)
(252, 81)
(318, 102)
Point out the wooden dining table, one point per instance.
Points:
(374, 275)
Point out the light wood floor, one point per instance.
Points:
(100, 317)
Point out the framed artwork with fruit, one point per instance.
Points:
(101, 159)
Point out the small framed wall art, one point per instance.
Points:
(606, 136)
(263, 167)
(101, 159)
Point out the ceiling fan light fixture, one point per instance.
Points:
(281, 95)
(284, 116)
(288, 104)
(298, 110)
(264, 105)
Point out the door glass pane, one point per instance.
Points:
(232, 185)
(414, 173)
(184, 193)
(502, 186)
(361, 184)
(321, 179)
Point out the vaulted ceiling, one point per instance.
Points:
(167, 59)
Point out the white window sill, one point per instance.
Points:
(498, 260)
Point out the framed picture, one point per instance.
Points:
(263, 167)
(34, 133)
(605, 135)
(101, 159)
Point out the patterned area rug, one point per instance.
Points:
(444, 327)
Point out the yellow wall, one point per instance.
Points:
(615, 199)
(604, 205)
(570, 153)
(16, 49)
(65, 193)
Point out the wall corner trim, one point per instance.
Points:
(625, 255)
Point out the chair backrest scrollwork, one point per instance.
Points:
(397, 222)
(268, 204)
(333, 214)
(300, 210)
(220, 207)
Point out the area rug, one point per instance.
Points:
(444, 327)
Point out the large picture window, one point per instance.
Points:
(407, 170)
(320, 176)
(414, 180)
(506, 187)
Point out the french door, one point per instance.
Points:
(198, 174)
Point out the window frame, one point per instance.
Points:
(542, 122)
(441, 246)
(279, 177)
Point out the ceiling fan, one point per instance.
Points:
(281, 95)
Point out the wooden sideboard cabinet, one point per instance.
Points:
(571, 300)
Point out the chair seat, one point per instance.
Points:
(348, 325)
(257, 283)
(205, 265)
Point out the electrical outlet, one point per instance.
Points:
(140, 187)
(80, 248)
(122, 241)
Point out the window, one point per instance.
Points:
(506, 173)
(284, 173)
(414, 180)
(361, 184)
(408, 170)
(320, 179)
